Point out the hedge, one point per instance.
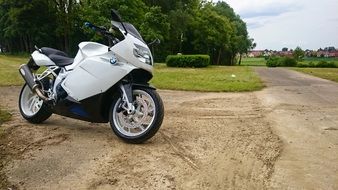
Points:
(188, 61)
(321, 64)
(281, 62)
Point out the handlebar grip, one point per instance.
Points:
(90, 25)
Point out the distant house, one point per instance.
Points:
(323, 53)
(255, 53)
(285, 53)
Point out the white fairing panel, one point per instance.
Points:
(41, 59)
(87, 49)
(124, 51)
(94, 75)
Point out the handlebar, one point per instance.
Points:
(103, 31)
(95, 28)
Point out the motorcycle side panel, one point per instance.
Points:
(87, 49)
(41, 59)
(94, 75)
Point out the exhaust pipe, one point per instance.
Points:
(30, 80)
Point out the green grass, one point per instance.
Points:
(9, 69)
(210, 79)
(4, 116)
(317, 59)
(253, 61)
(213, 78)
(326, 73)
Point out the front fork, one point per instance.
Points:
(127, 97)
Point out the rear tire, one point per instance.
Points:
(32, 108)
(143, 124)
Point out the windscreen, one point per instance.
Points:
(130, 29)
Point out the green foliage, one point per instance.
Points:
(320, 64)
(197, 61)
(183, 26)
(209, 79)
(155, 25)
(288, 62)
(298, 53)
(281, 62)
(324, 64)
(272, 62)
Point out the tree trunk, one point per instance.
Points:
(219, 55)
(240, 59)
(25, 40)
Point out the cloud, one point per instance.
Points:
(275, 24)
(267, 10)
(248, 9)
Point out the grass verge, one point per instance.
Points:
(253, 61)
(210, 79)
(325, 73)
(9, 69)
(4, 116)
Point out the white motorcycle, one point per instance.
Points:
(101, 84)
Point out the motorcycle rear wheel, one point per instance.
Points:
(141, 125)
(32, 108)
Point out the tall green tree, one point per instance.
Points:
(298, 53)
(183, 26)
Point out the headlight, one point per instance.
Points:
(143, 54)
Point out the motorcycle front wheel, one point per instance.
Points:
(144, 122)
(32, 108)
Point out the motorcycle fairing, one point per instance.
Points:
(94, 75)
(92, 71)
(92, 109)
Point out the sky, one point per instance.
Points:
(274, 24)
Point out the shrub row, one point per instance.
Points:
(188, 61)
(321, 64)
(281, 62)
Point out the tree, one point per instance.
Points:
(212, 33)
(284, 49)
(185, 26)
(298, 53)
(24, 24)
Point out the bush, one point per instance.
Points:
(272, 62)
(188, 61)
(288, 62)
(301, 64)
(324, 64)
(321, 64)
(281, 62)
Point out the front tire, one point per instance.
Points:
(32, 108)
(141, 125)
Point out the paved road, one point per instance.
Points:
(304, 110)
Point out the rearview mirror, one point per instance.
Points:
(155, 42)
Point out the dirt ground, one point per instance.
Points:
(207, 141)
(260, 140)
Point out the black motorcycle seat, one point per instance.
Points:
(60, 58)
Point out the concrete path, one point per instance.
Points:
(304, 112)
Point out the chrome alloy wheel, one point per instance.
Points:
(140, 120)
